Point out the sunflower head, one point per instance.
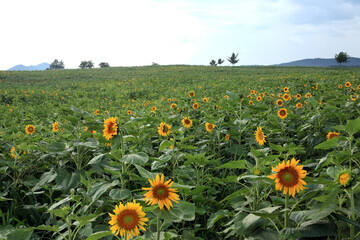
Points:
(260, 136)
(110, 128)
(286, 89)
(209, 127)
(299, 105)
(251, 102)
(30, 129)
(55, 127)
(282, 113)
(286, 97)
(164, 129)
(347, 84)
(161, 192)
(280, 102)
(289, 176)
(298, 96)
(153, 108)
(227, 137)
(195, 105)
(259, 98)
(187, 122)
(344, 178)
(191, 94)
(330, 135)
(127, 220)
(173, 105)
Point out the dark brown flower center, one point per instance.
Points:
(128, 219)
(288, 177)
(160, 192)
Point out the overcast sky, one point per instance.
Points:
(139, 32)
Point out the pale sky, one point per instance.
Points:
(139, 32)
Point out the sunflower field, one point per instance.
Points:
(180, 152)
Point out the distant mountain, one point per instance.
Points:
(322, 62)
(20, 67)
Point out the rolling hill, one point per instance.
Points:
(321, 62)
(20, 67)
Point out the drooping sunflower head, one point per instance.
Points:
(330, 135)
(280, 102)
(161, 192)
(127, 220)
(55, 127)
(209, 127)
(260, 136)
(195, 106)
(344, 178)
(187, 122)
(110, 128)
(347, 84)
(289, 176)
(164, 129)
(282, 113)
(30, 129)
(354, 97)
(308, 95)
(173, 105)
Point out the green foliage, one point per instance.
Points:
(86, 64)
(63, 184)
(56, 64)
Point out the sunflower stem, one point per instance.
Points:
(158, 229)
(352, 205)
(286, 223)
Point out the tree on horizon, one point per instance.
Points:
(233, 58)
(104, 65)
(220, 61)
(342, 57)
(213, 63)
(86, 64)
(57, 65)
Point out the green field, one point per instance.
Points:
(63, 169)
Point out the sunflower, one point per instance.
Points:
(13, 153)
(161, 193)
(344, 178)
(209, 126)
(286, 97)
(30, 129)
(129, 112)
(110, 128)
(354, 97)
(260, 136)
(298, 96)
(282, 113)
(164, 129)
(280, 102)
(227, 137)
(191, 94)
(127, 220)
(299, 105)
(195, 106)
(153, 108)
(251, 102)
(340, 86)
(96, 112)
(330, 135)
(308, 95)
(259, 98)
(55, 127)
(187, 123)
(347, 84)
(289, 176)
(205, 99)
(173, 105)
(286, 89)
